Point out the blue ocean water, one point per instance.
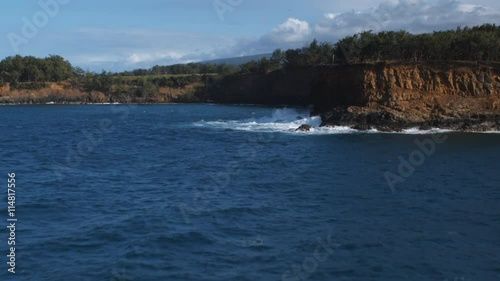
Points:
(211, 192)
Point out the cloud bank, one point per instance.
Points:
(415, 16)
(119, 50)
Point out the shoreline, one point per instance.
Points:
(430, 127)
(386, 96)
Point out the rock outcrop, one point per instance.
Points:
(385, 96)
(397, 96)
(304, 128)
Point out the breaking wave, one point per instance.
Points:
(281, 120)
(287, 120)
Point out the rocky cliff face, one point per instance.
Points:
(275, 88)
(396, 96)
(462, 96)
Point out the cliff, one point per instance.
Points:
(66, 92)
(274, 88)
(386, 96)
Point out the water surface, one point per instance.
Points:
(210, 192)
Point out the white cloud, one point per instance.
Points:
(128, 49)
(96, 58)
(152, 57)
(416, 16)
(293, 30)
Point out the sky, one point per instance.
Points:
(117, 35)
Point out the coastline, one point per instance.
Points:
(394, 96)
(324, 127)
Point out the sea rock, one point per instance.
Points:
(395, 97)
(361, 127)
(390, 96)
(304, 128)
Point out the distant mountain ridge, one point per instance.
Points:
(238, 60)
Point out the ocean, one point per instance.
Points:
(217, 192)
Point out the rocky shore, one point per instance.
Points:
(388, 119)
(459, 96)
(393, 97)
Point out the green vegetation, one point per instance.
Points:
(183, 69)
(30, 69)
(140, 85)
(18, 69)
(479, 43)
(476, 44)
(160, 83)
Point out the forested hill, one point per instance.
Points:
(36, 80)
(480, 43)
(54, 79)
(473, 44)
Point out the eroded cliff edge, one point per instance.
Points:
(385, 96)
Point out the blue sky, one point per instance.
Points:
(120, 34)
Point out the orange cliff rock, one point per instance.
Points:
(387, 96)
(460, 96)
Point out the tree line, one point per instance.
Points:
(56, 69)
(35, 73)
(15, 69)
(478, 43)
(189, 68)
(134, 86)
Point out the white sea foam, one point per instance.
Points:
(417, 131)
(287, 120)
(281, 120)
